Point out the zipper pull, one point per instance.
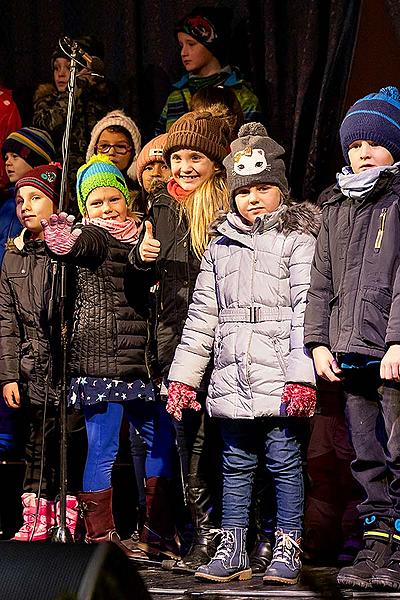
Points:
(379, 235)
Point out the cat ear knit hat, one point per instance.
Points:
(374, 118)
(206, 131)
(34, 145)
(119, 118)
(99, 171)
(255, 158)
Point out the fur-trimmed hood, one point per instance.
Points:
(303, 217)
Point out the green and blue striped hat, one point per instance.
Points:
(99, 171)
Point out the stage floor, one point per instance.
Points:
(316, 582)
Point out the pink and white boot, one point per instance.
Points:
(72, 516)
(35, 529)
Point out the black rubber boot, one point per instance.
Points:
(388, 577)
(203, 546)
(261, 555)
(377, 549)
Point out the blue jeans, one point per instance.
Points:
(103, 424)
(373, 416)
(282, 459)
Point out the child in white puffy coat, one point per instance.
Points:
(248, 308)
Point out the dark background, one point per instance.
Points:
(308, 61)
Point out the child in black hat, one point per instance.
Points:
(203, 37)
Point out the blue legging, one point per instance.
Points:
(103, 424)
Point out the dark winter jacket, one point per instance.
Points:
(354, 298)
(110, 322)
(176, 270)
(25, 348)
(92, 102)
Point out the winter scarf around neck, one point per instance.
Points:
(359, 185)
(176, 191)
(126, 231)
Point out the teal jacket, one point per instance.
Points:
(178, 101)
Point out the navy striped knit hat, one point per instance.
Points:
(374, 118)
(32, 144)
(46, 178)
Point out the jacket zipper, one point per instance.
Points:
(379, 235)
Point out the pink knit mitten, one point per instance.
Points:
(181, 396)
(300, 399)
(58, 233)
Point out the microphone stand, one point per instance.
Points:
(61, 533)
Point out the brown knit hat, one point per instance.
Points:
(151, 152)
(206, 131)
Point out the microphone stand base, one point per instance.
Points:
(62, 535)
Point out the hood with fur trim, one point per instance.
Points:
(113, 118)
(303, 217)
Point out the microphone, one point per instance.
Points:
(94, 63)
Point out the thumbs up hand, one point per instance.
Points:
(149, 248)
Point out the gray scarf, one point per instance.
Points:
(358, 186)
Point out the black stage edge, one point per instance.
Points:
(316, 582)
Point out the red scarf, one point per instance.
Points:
(177, 191)
(126, 231)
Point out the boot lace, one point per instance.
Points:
(226, 544)
(287, 550)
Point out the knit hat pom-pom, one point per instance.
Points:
(391, 92)
(252, 129)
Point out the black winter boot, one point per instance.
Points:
(203, 545)
(388, 577)
(374, 555)
(261, 554)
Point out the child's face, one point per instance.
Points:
(107, 203)
(61, 73)
(16, 167)
(155, 171)
(257, 200)
(117, 146)
(32, 207)
(195, 57)
(191, 168)
(365, 155)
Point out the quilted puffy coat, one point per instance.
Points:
(248, 306)
(28, 351)
(110, 332)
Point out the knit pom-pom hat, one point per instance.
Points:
(119, 118)
(151, 152)
(99, 171)
(374, 118)
(206, 131)
(255, 158)
(46, 178)
(33, 145)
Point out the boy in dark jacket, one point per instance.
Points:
(27, 365)
(352, 322)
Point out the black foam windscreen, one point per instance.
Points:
(36, 571)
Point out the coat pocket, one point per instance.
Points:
(27, 361)
(279, 355)
(334, 320)
(374, 316)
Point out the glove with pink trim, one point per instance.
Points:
(58, 233)
(181, 396)
(300, 399)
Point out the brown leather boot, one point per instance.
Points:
(158, 536)
(96, 509)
